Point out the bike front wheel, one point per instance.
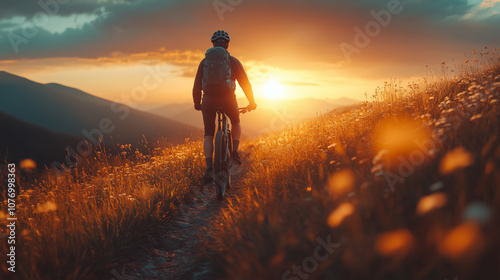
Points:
(220, 165)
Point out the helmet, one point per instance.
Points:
(220, 34)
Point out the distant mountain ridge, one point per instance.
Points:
(271, 115)
(71, 111)
(21, 140)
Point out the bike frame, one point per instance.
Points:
(223, 125)
(223, 152)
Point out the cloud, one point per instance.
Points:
(438, 8)
(28, 8)
(293, 34)
(184, 59)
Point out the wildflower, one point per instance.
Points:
(27, 164)
(339, 214)
(436, 186)
(457, 159)
(398, 242)
(431, 202)
(399, 136)
(361, 161)
(378, 170)
(478, 212)
(332, 146)
(460, 240)
(341, 182)
(380, 156)
(475, 117)
(46, 207)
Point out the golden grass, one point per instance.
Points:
(75, 227)
(389, 180)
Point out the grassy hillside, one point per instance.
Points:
(76, 226)
(403, 187)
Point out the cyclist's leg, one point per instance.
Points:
(208, 111)
(231, 108)
(236, 133)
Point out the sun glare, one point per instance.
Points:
(273, 89)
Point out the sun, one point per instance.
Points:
(273, 89)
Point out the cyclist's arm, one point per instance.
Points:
(243, 81)
(198, 84)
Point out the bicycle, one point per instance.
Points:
(223, 153)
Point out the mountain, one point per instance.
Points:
(21, 140)
(71, 111)
(342, 101)
(271, 114)
(172, 110)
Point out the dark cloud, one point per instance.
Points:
(438, 8)
(27, 8)
(297, 34)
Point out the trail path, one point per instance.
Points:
(174, 249)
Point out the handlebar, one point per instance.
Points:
(243, 110)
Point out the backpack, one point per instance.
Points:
(217, 70)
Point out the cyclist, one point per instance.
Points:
(216, 77)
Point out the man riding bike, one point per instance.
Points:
(216, 76)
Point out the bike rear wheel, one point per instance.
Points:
(220, 165)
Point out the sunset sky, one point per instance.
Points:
(108, 47)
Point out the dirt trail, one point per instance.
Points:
(174, 250)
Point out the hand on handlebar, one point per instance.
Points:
(252, 106)
(248, 108)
